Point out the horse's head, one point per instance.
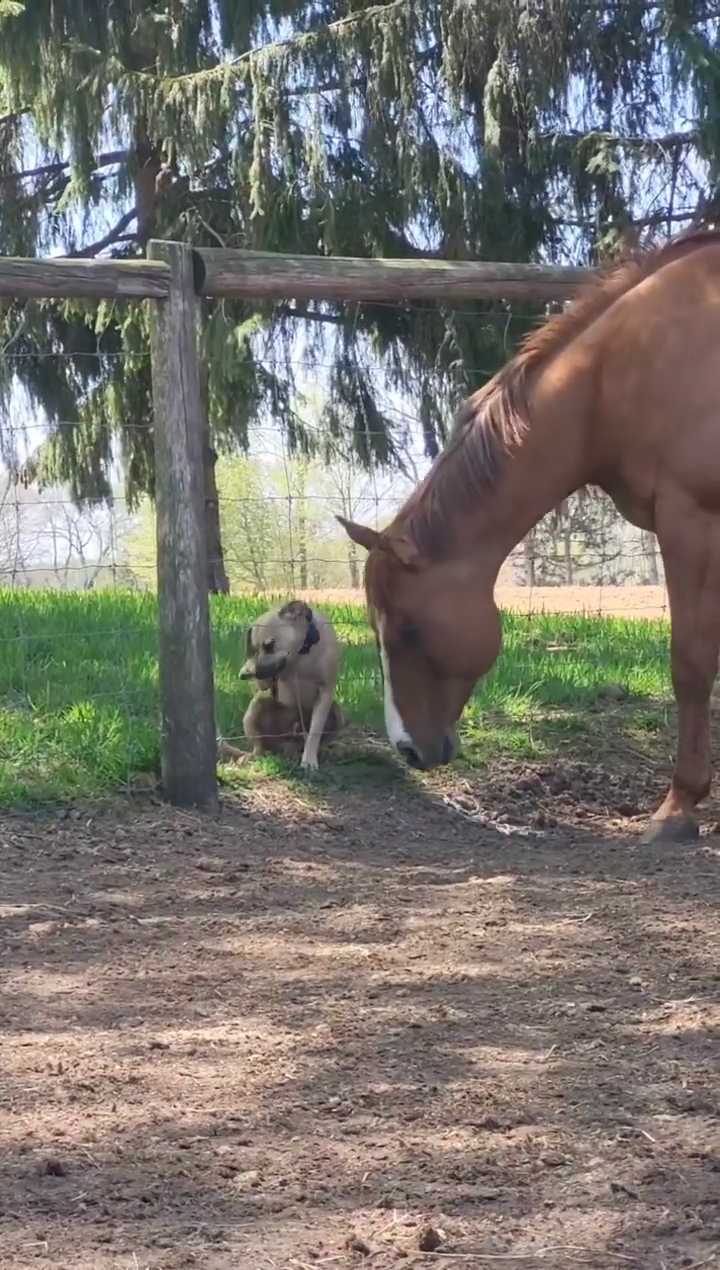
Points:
(438, 631)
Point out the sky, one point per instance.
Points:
(266, 442)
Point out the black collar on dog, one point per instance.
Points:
(312, 638)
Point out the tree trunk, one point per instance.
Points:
(147, 170)
(302, 553)
(650, 547)
(529, 553)
(302, 531)
(354, 566)
(218, 582)
(145, 175)
(567, 545)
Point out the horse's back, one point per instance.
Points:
(658, 407)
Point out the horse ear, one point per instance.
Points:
(403, 548)
(400, 545)
(363, 535)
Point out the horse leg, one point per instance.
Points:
(692, 574)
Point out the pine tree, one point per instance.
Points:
(511, 129)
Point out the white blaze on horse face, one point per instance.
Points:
(394, 726)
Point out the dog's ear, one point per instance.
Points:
(296, 611)
(248, 642)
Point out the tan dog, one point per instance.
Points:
(296, 651)
(272, 728)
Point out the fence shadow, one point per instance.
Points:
(331, 1011)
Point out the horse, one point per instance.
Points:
(620, 391)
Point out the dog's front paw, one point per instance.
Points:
(309, 762)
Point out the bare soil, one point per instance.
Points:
(607, 601)
(474, 1025)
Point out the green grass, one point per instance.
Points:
(78, 687)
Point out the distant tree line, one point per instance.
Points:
(508, 130)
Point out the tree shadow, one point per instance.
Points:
(323, 1008)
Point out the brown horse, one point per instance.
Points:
(620, 391)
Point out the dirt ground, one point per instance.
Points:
(473, 1026)
(608, 601)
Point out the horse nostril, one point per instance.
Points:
(409, 753)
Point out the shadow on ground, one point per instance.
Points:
(354, 1015)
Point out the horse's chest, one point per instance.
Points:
(633, 506)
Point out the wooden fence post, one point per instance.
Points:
(188, 742)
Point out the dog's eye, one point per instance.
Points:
(269, 646)
(411, 635)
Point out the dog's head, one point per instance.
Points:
(277, 638)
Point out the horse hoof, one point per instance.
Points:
(674, 829)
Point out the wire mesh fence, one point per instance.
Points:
(78, 666)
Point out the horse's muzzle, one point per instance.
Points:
(438, 754)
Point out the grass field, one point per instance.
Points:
(78, 687)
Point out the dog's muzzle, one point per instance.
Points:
(264, 667)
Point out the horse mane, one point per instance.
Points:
(494, 420)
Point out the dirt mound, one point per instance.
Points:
(545, 795)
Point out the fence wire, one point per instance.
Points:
(78, 650)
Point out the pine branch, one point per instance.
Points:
(115, 235)
(665, 218)
(14, 117)
(671, 141)
(240, 64)
(57, 168)
(641, 222)
(422, 60)
(308, 315)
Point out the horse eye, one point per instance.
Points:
(410, 635)
(269, 646)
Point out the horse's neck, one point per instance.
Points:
(546, 467)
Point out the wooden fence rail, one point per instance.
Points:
(173, 276)
(58, 278)
(255, 275)
(266, 276)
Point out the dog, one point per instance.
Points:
(273, 728)
(295, 653)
